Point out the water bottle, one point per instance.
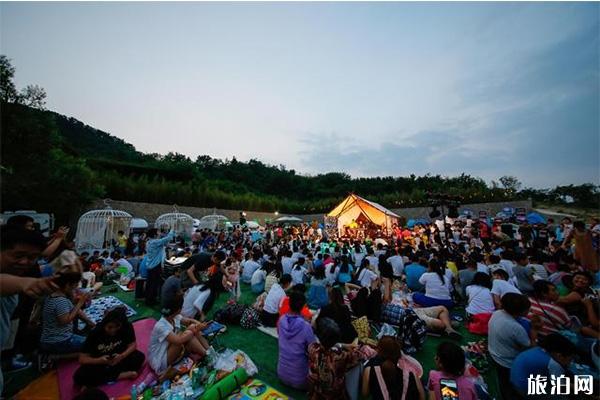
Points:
(133, 392)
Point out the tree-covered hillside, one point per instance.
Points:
(55, 163)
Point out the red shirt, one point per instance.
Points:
(284, 308)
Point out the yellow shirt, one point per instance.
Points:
(452, 267)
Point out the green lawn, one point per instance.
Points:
(260, 347)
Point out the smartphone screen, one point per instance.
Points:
(449, 389)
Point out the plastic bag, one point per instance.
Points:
(230, 360)
(386, 330)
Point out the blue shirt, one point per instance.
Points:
(532, 362)
(345, 277)
(413, 273)
(155, 250)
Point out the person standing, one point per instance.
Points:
(155, 259)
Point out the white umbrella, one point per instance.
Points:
(288, 219)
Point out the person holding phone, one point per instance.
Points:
(448, 381)
(109, 352)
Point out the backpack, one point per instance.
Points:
(413, 332)
(230, 314)
(250, 318)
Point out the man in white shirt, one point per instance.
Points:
(373, 260)
(506, 263)
(287, 262)
(250, 267)
(366, 277)
(397, 264)
(194, 300)
(501, 286)
(270, 312)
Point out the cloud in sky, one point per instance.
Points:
(365, 88)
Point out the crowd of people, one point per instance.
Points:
(530, 288)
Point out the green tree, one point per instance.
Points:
(8, 91)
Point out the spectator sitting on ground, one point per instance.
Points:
(109, 352)
(59, 313)
(295, 335)
(168, 344)
(501, 286)
(450, 364)
(270, 312)
(329, 362)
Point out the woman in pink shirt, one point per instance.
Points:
(449, 379)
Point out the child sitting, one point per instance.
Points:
(231, 277)
(450, 361)
(173, 337)
(109, 352)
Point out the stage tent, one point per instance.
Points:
(353, 206)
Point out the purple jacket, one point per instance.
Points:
(295, 335)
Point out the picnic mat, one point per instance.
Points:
(143, 331)
(99, 306)
(269, 331)
(43, 388)
(124, 288)
(257, 390)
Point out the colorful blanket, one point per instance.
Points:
(99, 306)
(256, 389)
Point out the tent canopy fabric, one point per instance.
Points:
(354, 206)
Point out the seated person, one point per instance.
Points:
(501, 286)
(193, 301)
(295, 335)
(270, 311)
(543, 304)
(580, 289)
(339, 312)
(173, 337)
(329, 362)
(438, 285)
(250, 267)
(197, 264)
(551, 357)
(479, 297)
(109, 352)
(171, 288)
(317, 293)
(58, 315)
(383, 378)
(413, 272)
(450, 364)
(507, 337)
(436, 318)
(365, 275)
(257, 282)
(284, 308)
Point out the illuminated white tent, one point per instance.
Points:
(355, 206)
(97, 228)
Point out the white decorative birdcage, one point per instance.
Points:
(97, 229)
(181, 223)
(214, 222)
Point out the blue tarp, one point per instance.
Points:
(535, 218)
(418, 221)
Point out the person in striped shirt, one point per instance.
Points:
(554, 317)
